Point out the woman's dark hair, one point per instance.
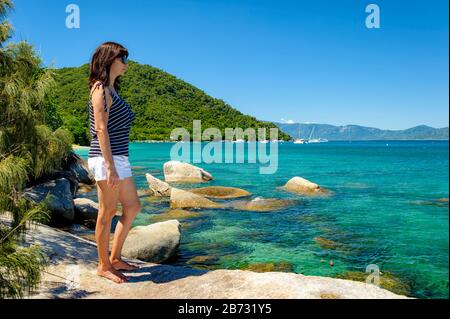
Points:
(101, 62)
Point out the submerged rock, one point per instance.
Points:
(184, 199)
(157, 186)
(388, 281)
(208, 259)
(260, 204)
(175, 214)
(57, 197)
(283, 266)
(220, 192)
(326, 243)
(302, 186)
(154, 243)
(175, 171)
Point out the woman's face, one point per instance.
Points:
(118, 67)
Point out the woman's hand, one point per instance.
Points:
(112, 177)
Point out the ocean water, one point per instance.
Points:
(385, 208)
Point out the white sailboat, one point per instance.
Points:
(312, 140)
(299, 140)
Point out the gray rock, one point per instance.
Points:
(69, 175)
(157, 186)
(58, 198)
(155, 281)
(153, 243)
(85, 209)
(80, 168)
(175, 171)
(220, 192)
(303, 186)
(183, 199)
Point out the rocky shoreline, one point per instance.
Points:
(73, 260)
(153, 245)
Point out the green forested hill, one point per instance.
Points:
(160, 100)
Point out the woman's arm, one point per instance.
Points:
(101, 128)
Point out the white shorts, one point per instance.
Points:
(98, 167)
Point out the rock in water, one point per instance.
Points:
(58, 198)
(175, 214)
(158, 187)
(302, 186)
(220, 192)
(85, 209)
(153, 243)
(155, 281)
(175, 171)
(80, 168)
(184, 199)
(260, 204)
(326, 243)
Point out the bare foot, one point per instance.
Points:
(119, 264)
(112, 274)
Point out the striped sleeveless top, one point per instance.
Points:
(119, 124)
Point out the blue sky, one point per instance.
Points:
(305, 61)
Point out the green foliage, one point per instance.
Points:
(161, 103)
(28, 150)
(20, 270)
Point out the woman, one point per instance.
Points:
(110, 123)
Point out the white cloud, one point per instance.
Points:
(287, 121)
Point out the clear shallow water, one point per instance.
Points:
(384, 210)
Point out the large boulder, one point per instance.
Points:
(80, 168)
(54, 175)
(220, 192)
(302, 186)
(67, 252)
(85, 210)
(157, 186)
(57, 197)
(175, 171)
(153, 243)
(183, 199)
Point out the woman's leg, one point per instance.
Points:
(107, 197)
(131, 206)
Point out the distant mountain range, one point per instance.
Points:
(356, 132)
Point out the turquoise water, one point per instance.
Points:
(384, 210)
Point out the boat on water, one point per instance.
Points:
(300, 141)
(312, 140)
(317, 140)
